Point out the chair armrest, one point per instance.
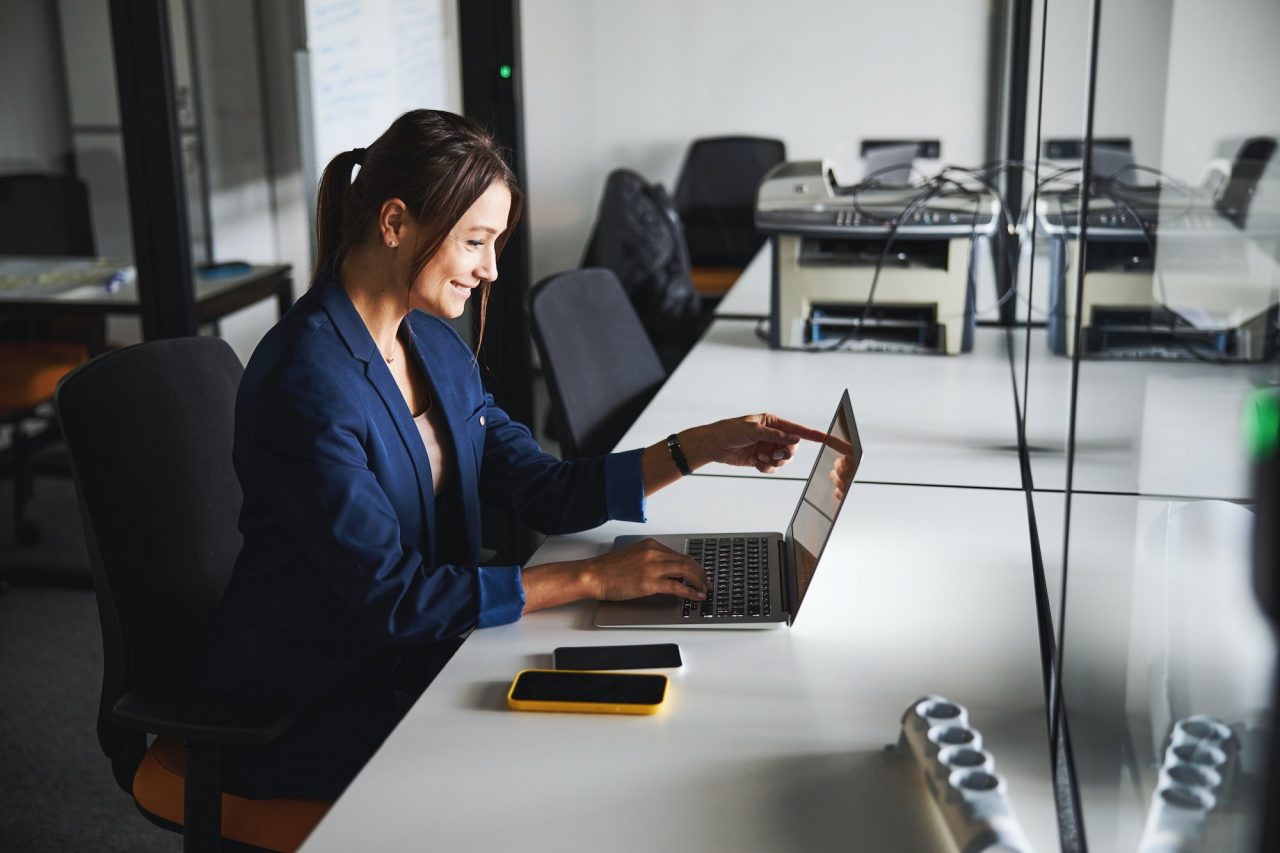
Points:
(210, 719)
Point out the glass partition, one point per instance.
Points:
(1160, 330)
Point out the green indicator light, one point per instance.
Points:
(504, 71)
(1262, 423)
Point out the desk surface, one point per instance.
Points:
(1142, 427)
(77, 285)
(933, 420)
(771, 740)
(749, 296)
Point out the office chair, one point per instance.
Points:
(638, 236)
(45, 215)
(39, 215)
(601, 368)
(1236, 194)
(149, 431)
(716, 197)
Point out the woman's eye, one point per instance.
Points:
(475, 243)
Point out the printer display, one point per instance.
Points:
(871, 266)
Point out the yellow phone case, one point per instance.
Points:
(584, 707)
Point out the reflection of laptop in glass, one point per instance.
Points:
(758, 579)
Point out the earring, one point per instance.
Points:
(393, 243)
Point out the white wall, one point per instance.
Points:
(1133, 59)
(1224, 80)
(33, 133)
(632, 82)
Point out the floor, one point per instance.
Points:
(56, 788)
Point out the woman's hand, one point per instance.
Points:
(765, 442)
(643, 568)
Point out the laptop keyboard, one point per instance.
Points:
(737, 570)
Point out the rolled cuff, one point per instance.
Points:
(624, 486)
(501, 595)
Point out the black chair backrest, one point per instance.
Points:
(716, 196)
(1246, 171)
(45, 215)
(601, 368)
(149, 431)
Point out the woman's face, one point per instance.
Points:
(466, 257)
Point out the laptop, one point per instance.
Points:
(756, 580)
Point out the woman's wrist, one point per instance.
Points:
(694, 443)
(552, 584)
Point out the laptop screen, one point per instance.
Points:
(824, 494)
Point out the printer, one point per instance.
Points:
(1166, 275)
(831, 244)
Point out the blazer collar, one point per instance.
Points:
(355, 334)
(437, 353)
(351, 328)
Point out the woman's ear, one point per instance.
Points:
(392, 222)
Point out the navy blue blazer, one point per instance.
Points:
(347, 557)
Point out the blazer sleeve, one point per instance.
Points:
(552, 495)
(310, 437)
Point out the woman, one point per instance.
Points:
(364, 445)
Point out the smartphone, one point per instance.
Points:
(651, 656)
(587, 692)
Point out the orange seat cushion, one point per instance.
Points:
(271, 824)
(29, 371)
(714, 281)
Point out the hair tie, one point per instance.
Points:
(358, 154)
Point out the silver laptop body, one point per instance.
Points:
(792, 557)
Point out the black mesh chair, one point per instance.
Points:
(716, 196)
(601, 369)
(638, 237)
(149, 430)
(45, 215)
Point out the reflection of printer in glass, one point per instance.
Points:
(1166, 276)
(870, 266)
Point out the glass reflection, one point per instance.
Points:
(1162, 286)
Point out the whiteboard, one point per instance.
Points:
(369, 61)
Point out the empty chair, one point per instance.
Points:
(716, 196)
(149, 431)
(45, 215)
(39, 215)
(1247, 169)
(601, 369)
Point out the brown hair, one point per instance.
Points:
(437, 163)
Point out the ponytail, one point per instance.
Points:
(330, 201)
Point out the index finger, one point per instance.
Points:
(796, 429)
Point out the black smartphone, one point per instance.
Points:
(652, 656)
(587, 692)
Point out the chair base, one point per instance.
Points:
(274, 825)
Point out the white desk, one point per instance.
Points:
(771, 740)
(925, 419)
(1142, 427)
(749, 296)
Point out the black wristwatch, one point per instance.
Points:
(677, 454)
